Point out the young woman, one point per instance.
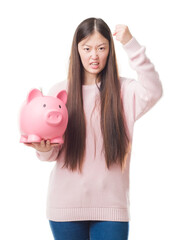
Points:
(88, 193)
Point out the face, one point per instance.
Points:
(93, 52)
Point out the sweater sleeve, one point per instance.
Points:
(49, 156)
(142, 94)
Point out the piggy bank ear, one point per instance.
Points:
(62, 95)
(33, 94)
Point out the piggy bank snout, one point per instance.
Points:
(53, 117)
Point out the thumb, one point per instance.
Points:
(114, 33)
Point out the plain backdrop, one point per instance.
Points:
(35, 42)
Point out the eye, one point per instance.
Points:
(59, 106)
(86, 49)
(44, 105)
(101, 48)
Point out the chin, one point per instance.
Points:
(95, 71)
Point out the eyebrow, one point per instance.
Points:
(96, 46)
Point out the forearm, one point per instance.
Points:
(148, 77)
(49, 156)
(147, 89)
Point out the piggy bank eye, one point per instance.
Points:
(44, 105)
(59, 106)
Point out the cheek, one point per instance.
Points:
(104, 59)
(84, 59)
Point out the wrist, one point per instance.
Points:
(127, 40)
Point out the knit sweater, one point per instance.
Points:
(98, 193)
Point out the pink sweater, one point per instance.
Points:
(99, 193)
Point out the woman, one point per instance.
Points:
(89, 186)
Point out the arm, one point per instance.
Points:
(144, 93)
(148, 89)
(46, 151)
(49, 156)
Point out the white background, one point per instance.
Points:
(35, 42)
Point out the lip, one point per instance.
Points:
(94, 62)
(96, 66)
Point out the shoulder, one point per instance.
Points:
(56, 88)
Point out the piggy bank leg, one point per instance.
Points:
(33, 138)
(23, 139)
(57, 140)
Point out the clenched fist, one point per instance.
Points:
(122, 33)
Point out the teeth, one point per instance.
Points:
(94, 63)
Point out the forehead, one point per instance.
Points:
(94, 39)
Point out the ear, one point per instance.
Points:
(62, 95)
(33, 94)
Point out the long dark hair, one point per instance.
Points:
(115, 137)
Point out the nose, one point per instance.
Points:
(53, 117)
(94, 54)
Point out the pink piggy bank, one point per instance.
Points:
(43, 117)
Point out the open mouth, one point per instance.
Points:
(95, 64)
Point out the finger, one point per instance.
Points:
(118, 31)
(42, 143)
(48, 143)
(56, 144)
(35, 145)
(28, 144)
(120, 26)
(118, 35)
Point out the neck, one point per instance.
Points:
(89, 79)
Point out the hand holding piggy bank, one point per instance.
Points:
(43, 117)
